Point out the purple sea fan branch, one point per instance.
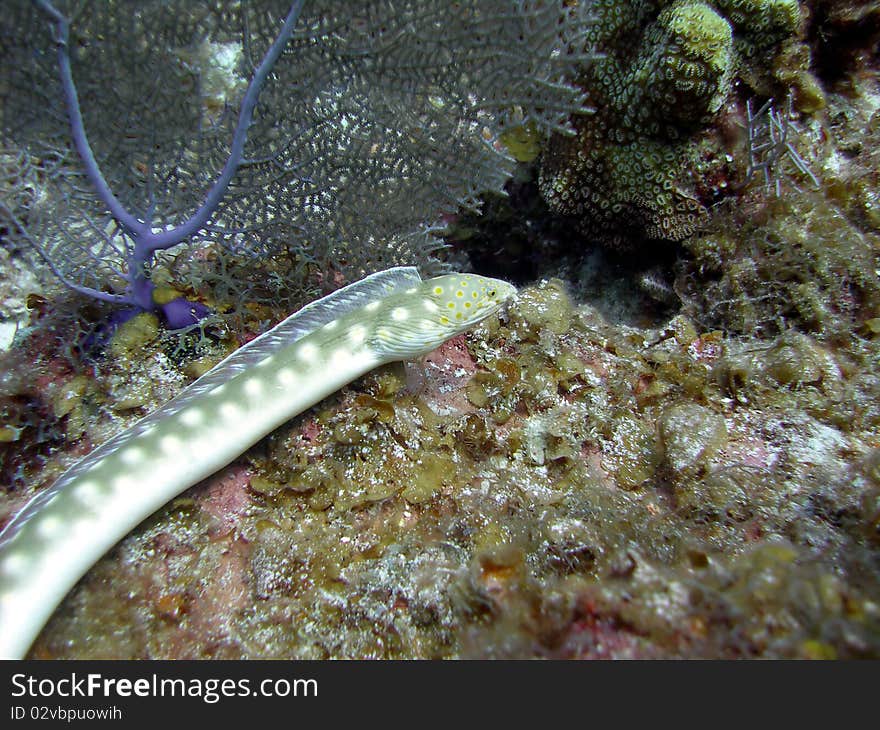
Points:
(85, 290)
(146, 240)
(249, 102)
(61, 36)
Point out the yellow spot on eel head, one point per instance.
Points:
(438, 289)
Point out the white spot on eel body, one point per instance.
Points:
(170, 444)
(286, 376)
(332, 325)
(253, 387)
(307, 352)
(357, 334)
(399, 314)
(49, 525)
(124, 483)
(340, 356)
(131, 455)
(83, 524)
(14, 564)
(372, 306)
(429, 305)
(88, 490)
(229, 410)
(192, 417)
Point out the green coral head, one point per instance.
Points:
(420, 319)
(700, 34)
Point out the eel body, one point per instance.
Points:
(65, 529)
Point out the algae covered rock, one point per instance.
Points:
(637, 442)
(134, 335)
(565, 508)
(690, 435)
(795, 361)
(544, 307)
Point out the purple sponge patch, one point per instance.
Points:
(181, 313)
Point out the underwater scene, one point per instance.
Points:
(418, 329)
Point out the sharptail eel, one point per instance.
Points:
(64, 530)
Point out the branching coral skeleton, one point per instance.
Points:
(771, 136)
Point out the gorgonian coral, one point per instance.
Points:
(342, 132)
